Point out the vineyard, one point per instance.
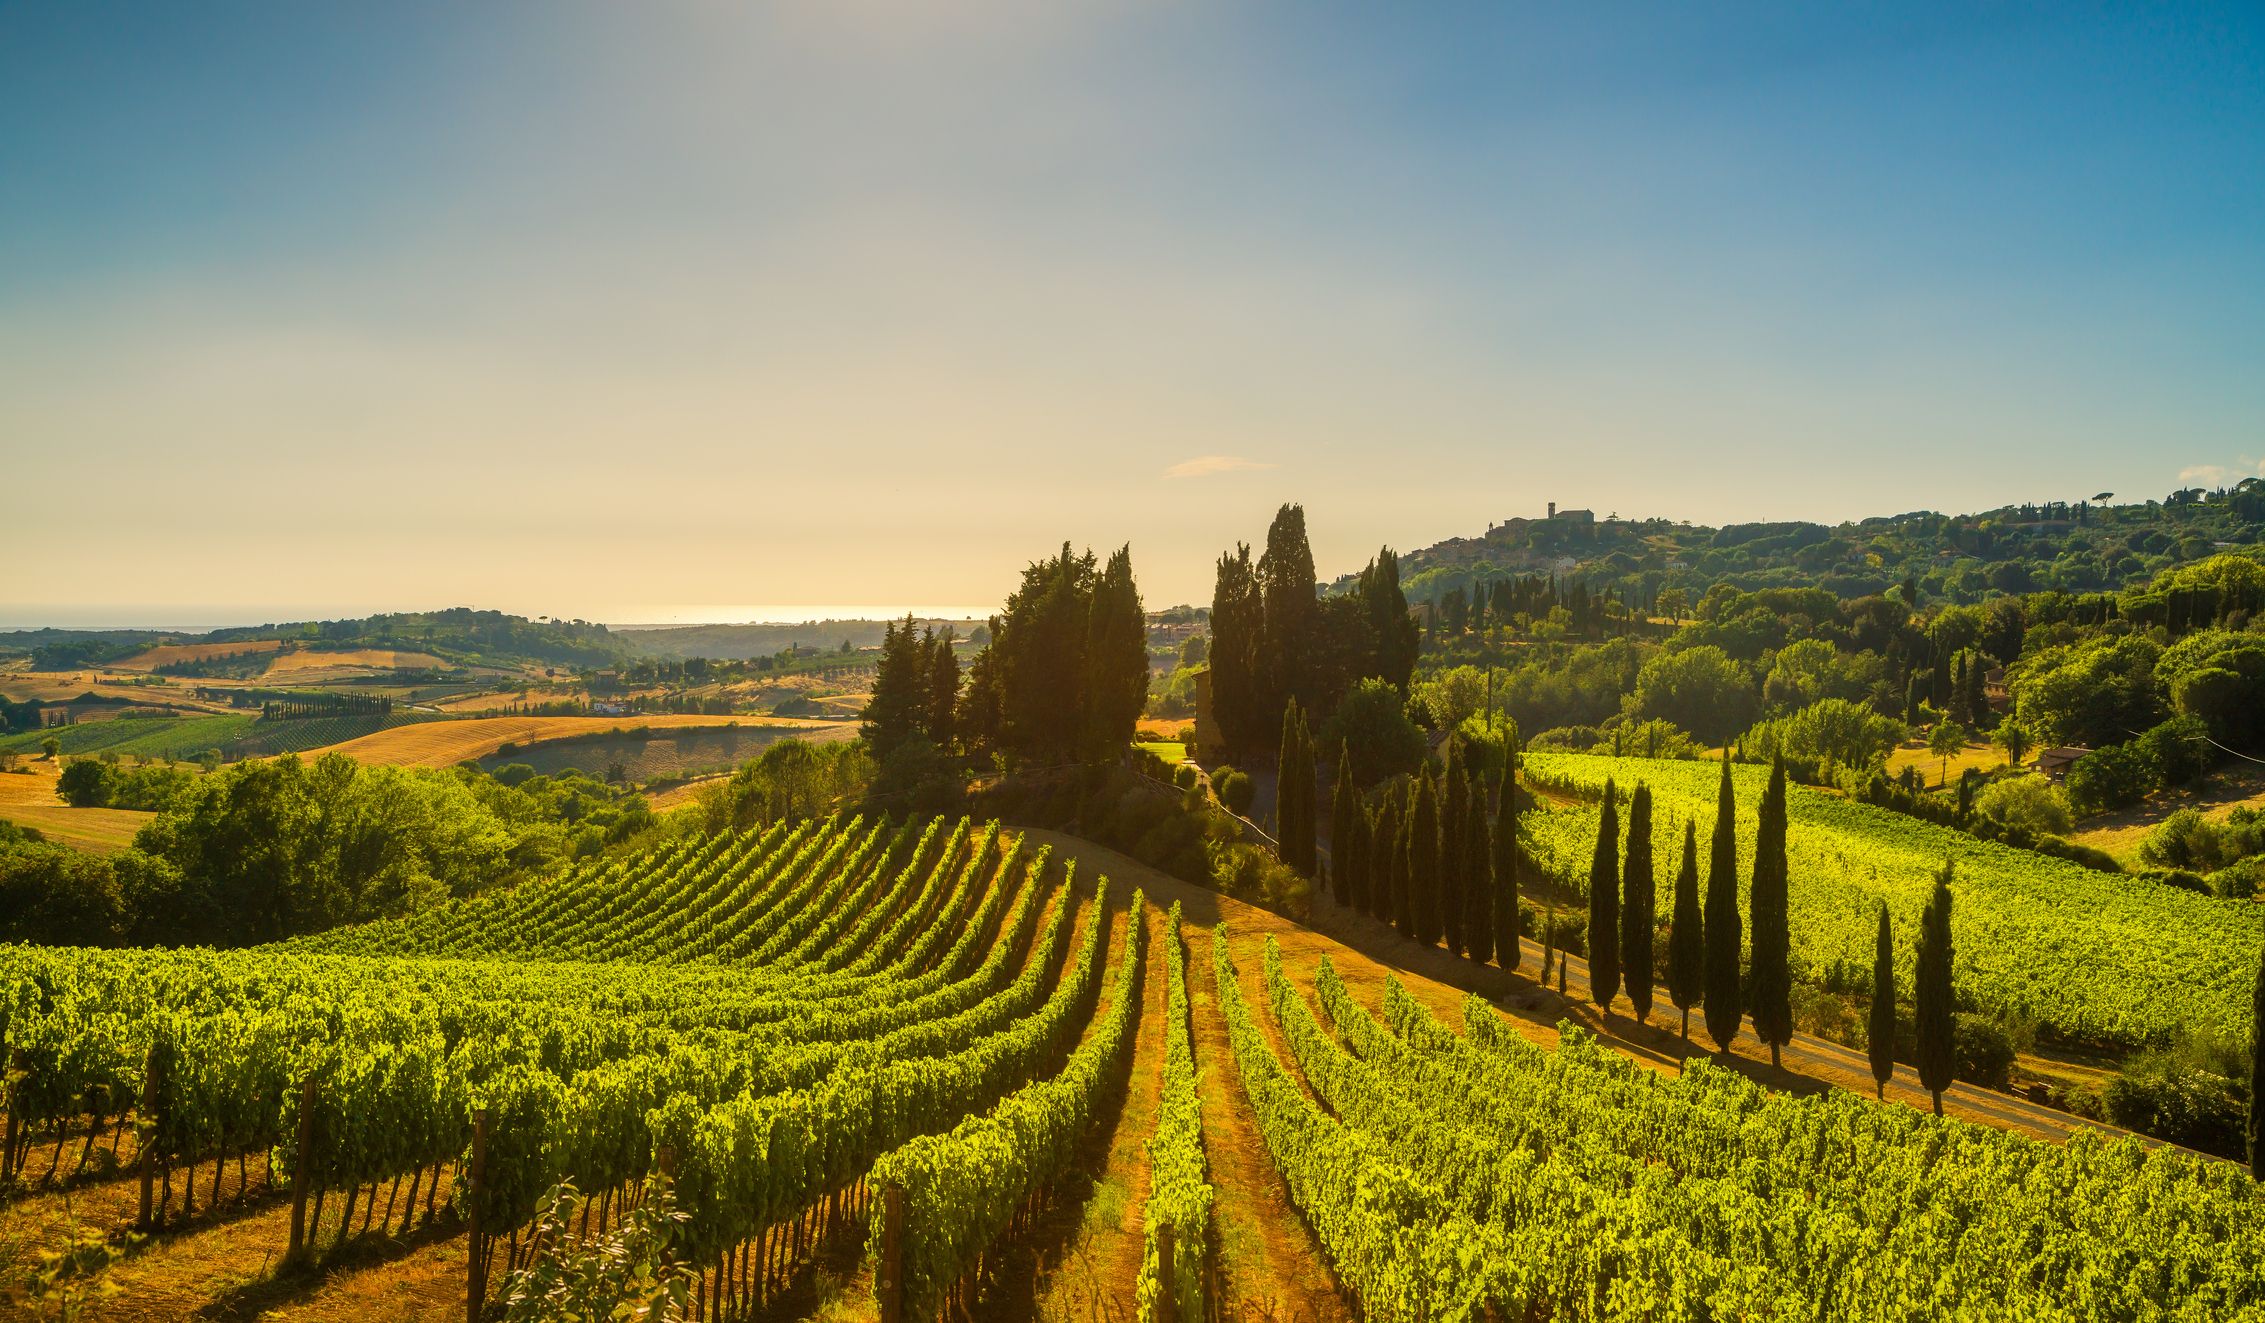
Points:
(781, 1014)
(2096, 955)
(878, 1053)
(1476, 1175)
(138, 737)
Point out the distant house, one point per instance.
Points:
(1994, 687)
(2056, 761)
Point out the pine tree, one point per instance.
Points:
(1604, 904)
(2257, 1075)
(1638, 905)
(1344, 845)
(1423, 863)
(1686, 949)
(1724, 931)
(1931, 995)
(1883, 1006)
(1508, 953)
(1770, 977)
(896, 711)
(1478, 878)
(1455, 798)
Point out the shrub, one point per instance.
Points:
(1373, 725)
(2031, 803)
(2164, 1095)
(2239, 881)
(2181, 878)
(1235, 791)
(2091, 856)
(2111, 777)
(1983, 1050)
(1185, 776)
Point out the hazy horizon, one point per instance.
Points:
(592, 307)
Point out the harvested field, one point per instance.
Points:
(294, 664)
(168, 654)
(27, 798)
(446, 743)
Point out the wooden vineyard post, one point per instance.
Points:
(1167, 1286)
(891, 1273)
(146, 1159)
(8, 1146)
(299, 1171)
(476, 1276)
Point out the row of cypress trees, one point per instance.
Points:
(1434, 857)
(1705, 947)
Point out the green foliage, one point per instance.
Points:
(1770, 976)
(1931, 997)
(1179, 1186)
(2030, 803)
(150, 737)
(2091, 955)
(1830, 733)
(1698, 689)
(2089, 694)
(1234, 789)
(1725, 930)
(1371, 724)
(1982, 1050)
(622, 1273)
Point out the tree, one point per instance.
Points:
(2257, 1075)
(1371, 722)
(1882, 1035)
(1397, 638)
(1507, 951)
(1238, 624)
(85, 783)
(1455, 798)
(1638, 905)
(1686, 949)
(1116, 660)
(1769, 974)
(1345, 856)
(1293, 794)
(1478, 878)
(1699, 689)
(1724, 929)
(1291, 610)
(1385, 867)
(899, 706)
(1931, 993)
(1604, 904)
(1423, 863)
(1946, 740)
(943, 689)
(2013, 737)
(52, 747)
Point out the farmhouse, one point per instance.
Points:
(2056, 761)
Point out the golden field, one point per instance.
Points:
(446, 743)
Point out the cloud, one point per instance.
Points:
(2217, 475)
(1203, 466)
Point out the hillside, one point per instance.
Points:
(2079, 547)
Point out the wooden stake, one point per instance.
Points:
(147, 1133)
(1168, 1290)
(299, 1170)
(476, 1278)
(891, 1278)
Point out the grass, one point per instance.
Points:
(367, 659)
(675, 755)
(167, 654)
(1169, 750)
(1982, 757)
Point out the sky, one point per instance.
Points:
(649, 312)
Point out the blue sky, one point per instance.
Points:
(624, 311)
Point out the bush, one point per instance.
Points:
(2164, 1095)
(1235, 791)
(2031, 803)
(1185, 776)
(2186, 839)
(2239, 881)
(2091, 856)
(1372, 724)
(2178, 877)
(2111, 778)
(1983, 1050)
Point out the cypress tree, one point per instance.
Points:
(1359, 853)
(1423, 864)
(1930, 993)
(1883, 1006)
(2257, 1075)
(1381, 839)
(1724, 931)
(1344, 830)
(1686, 949)
(1293, 793)
(1478, 878)
(1403, 889)
(1772, 988)
(1638, 905)
(1507, 951)
(1604, 904)
(1455, 799)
